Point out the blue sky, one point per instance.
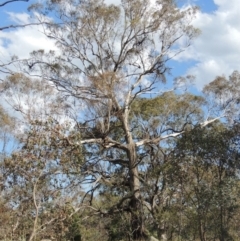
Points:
(17, 7)
(207, 6)
(215, 52)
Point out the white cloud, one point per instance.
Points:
(20, 18)
(21, 41)
(217, 49)
(116, 2)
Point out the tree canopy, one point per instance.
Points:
(101, 149)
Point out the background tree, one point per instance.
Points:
(36, 174)
(207, 160)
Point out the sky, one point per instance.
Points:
(214, 53)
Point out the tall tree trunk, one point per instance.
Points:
(222, 234)
(201, 230)
(135, 205)
(137, 224)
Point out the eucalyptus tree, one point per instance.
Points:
(109, 57)
(6, 131)
(7, 125)
(35, 174)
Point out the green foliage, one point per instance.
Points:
(208, 173)
(169, 102)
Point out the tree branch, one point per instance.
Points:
(205, 123)
(10, 1)
(21, 25)
(155, 140)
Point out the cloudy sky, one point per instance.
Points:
(215, 52)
